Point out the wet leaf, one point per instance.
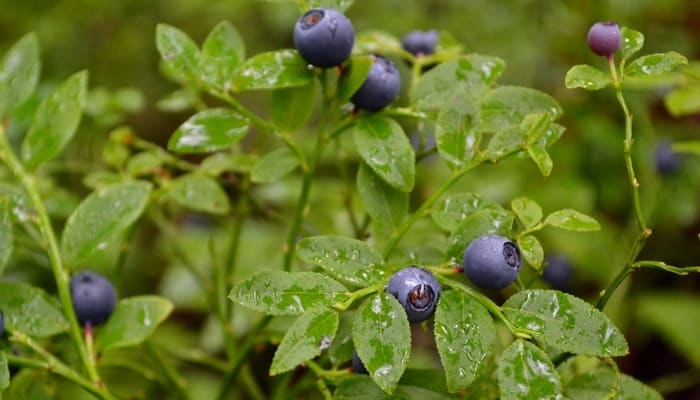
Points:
(30, 310)
(541, 158)
(632, 42)
(222, 51)
(19, 73)
(531, 250)
(385, 148)
(274, 166)
(465, 336)
(207, 131)
(572, 220)
(134, 319)
(287, 293)
(479, 223)
(457, 134)
(526, 373)
(382, 339)
(655, 64)
(272, 70)
(341, 348)
(103, 215)
(598, 384)
(454, 209)
(527, 210)
(586, 77)
(348, 260)
(200, 193)
(565, 322)
(353, 76)
(55, 122)
(303, 341)
(179, 52)
(385, 205)
(506, 107)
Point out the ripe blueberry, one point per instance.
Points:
(381, 86)
(324, 37)
(558, 271)
(667, 161)
(604, 38)
(94, 297)
(417, 290)
(491, 262)
(420, 43)
(357, 365)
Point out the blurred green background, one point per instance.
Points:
(539, 41)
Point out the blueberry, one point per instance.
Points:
(420, 43)
(357, 365)
(667, 161)
(417, 290)
(558, 271)
(491, 262)
(381, 86)
(93, 297)
(324, 37)
(604, 38)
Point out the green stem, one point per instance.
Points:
(54, 365)
(233, 103)
(358, 294)
(59, 273)
(665, 267)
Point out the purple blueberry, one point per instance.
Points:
(420, 43)
(667, 161)
(357, 365)
(417, 290)
(604, 38)
(324, 37)
(558, 271)
(94, 297)
(381, 86)
(491, 262)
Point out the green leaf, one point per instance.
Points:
(572, 220)
(218, 163)
(527, 210)
(565, 322)
(655, 64)
(471, 74)
(273, 70)
(385, 148)
(683, 101)
(30, 310)
(586, 77)
(222, 51)
(303, 341)
(676, 317)
(134, 319)
(632, 42)
(382, 339)
(274, 166)
(19, 73)
(6, 236)
(55, 121)
(598, 384)
(532, 250)
(207, 131)
(457, 134)
(145, 163)
(292, 107)
(526, 373)
(376, 42)
(689, 147)
(348, 260)
(353, 76)
(535, 127)
(541, 158)
(504, 143)
(341, 348)
(179, 52)
(385, 205)
(465, 336)
(479, 223)
(200, 193)
(506, 106)
(287, 293)
(103, 215)
(455, 208)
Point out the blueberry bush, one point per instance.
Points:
(337, 219)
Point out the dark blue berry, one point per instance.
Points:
(381, 86)
(491, 262)
(417, 290)
(604, 38)
(420, 43)
(668, 162)
(357, 365)
(324, 37)
(558, 271)
(94, 297)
